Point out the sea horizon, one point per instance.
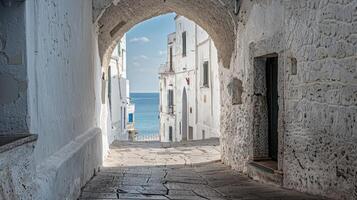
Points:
(146, 112)
(154, 92)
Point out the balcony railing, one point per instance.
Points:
(165, 68)
(170, 109)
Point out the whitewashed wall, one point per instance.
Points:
(203, 107)
(118, 92)
(64, 77)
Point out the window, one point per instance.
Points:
(170, 133)
(205, 80)
(180, 129)
(171, 64)
(131, 118)
(190, 133)
(184, 46)
(121, 117)
(110, 89)
(119, 49)
(170, 101)
(124, 117)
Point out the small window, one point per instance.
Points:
(170, 101)
(184, 45)
(119, 49)
(121, 118)
(171, 64)
(131, 118)
(203, 134)
(170, 133)
(205, 81)
(190, 133)
(180, 128)
(124, 118)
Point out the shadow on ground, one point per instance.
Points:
(180, 171)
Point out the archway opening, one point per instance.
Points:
(188, 109)
(184, 103)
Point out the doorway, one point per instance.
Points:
(184, 115)
(272, 105)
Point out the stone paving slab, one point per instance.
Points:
(158, 171)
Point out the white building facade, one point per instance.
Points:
(189, 86)
(118, 92)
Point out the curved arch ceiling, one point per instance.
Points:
(115, 18)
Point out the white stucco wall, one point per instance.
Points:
(118, 92)
(208, 105)
(203, 104)
(167, 82)
(64, 83)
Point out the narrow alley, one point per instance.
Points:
(274, 80)
(150, 170)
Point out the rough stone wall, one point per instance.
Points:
(321, 111)
(13, 81)
(317, 106)
(17, 171)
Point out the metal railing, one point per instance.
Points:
(145, 138)
(170, 109)
(165, 68)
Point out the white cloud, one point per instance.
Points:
(161, 53)
(141, 57)
(140, 40)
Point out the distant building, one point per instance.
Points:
(119, 101)
(189, 86)
(132, 133)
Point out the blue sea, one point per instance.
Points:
(146, 113)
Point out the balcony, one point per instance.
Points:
(165, 69)
(170, 109)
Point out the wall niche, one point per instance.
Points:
(235, 88)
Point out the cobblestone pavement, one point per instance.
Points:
(189, 171)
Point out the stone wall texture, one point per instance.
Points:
(317, 106)
(216, 17)
(315, 41)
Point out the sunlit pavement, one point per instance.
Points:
(155, 171)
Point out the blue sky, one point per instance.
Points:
(146, 50)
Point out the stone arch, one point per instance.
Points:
(114, 18)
